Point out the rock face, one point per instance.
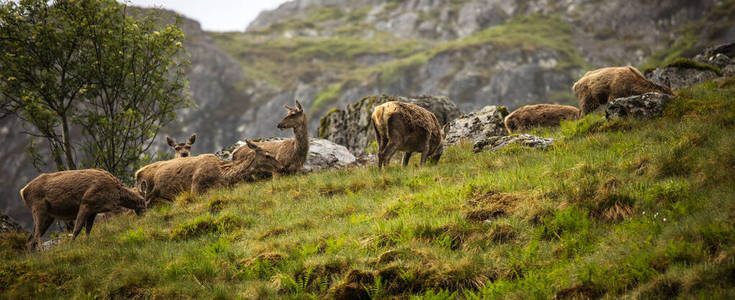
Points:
(352, 127)
(478, 126)
(678, 77)
(323, 155)
(499, 142)
(646, 106)
(7, 224)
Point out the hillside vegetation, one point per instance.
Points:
(622, 208)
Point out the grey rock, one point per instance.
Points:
(478, 125)
(53, 242)
(499, 142)
(7, 224)
(351, 127)
(646, 106)
(678, 77)
(323, 154)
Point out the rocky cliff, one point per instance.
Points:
(330, 53)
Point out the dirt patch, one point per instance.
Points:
(502, 234)
(578, 292)
(491, 205)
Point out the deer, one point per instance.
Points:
(598, 87)
(182, 149)
(292, 152)
(77, 195)
(198, 174)
(541, 115)
(409, 128)
(145, 173)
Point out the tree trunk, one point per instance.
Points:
(67, 144)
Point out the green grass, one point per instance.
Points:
(633, 209)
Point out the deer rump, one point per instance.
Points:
(406, 127)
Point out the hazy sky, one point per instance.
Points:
(215, 15)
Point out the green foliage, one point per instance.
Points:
(88, 67)
(518, 224)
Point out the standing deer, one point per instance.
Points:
(291, 153)
(182, 149)
(200, 173)
(407, 127)
(75, 195)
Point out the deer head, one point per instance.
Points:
(182, 149)
(264, 161)
(437, 153)
(294, 118)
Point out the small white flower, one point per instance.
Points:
(664, 219)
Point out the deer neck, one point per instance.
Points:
(237, 171)
(302, 139)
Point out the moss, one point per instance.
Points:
(324, 122)
(206, 224)
(693, 64)
(325, 97)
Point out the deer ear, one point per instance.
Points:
(289, 108)
(298, 106)
(251, 145)
(170, 141)
(192, 138)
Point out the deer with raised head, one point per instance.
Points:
(77, 195)
(291, 153)
(197, 174)
(182, 149)
(409, 128)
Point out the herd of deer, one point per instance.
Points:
(79, 195)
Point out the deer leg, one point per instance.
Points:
(89, 222)
(82, 216)
(390, 149)
(407, 157)
(425, 153)
(41, 223)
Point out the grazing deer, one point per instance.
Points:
(598, 87)
(198, 174)
(182, 149)
(545, 115)
(75, 195)
(291, 153)
(410, 128)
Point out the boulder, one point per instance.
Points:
(7, 224)
(323, 154)
(352, 127)
(646, 106)
(499, 142)
(677, 77)
(479, 125)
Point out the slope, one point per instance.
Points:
(615, 209)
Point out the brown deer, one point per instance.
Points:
(182, 149)
(410, 128)
(291, 153)
(75, 195)
(198, 174)
(546, 115)
(598, 87)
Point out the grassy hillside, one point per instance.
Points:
(614, 209)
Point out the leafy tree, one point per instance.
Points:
(93, 82)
